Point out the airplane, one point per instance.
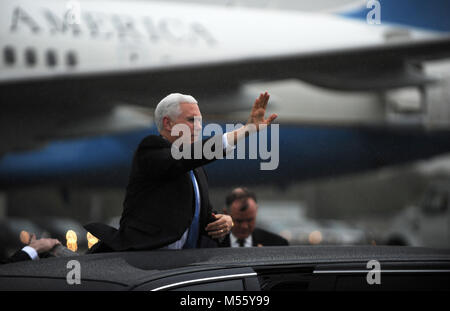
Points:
(66, 74)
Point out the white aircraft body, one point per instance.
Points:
(111, 36)
(67, 65)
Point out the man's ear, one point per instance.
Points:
(167, 124)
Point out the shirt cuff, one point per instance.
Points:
(225, 144)
(31, 252)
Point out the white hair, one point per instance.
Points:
(170, 106)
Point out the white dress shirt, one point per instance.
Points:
(31, 252)
(234, 241)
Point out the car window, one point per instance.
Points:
(395, 282)
(232, 285)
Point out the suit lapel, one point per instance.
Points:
(255, 237)
(254, 240)
(226, 241)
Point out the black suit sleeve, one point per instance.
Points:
(18, 256)
(266, 238)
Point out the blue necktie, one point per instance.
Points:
(192, 238)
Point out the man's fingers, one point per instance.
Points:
(271, 118)
(216, 226)
(266, 100)
(218, 219)
(257, 103)
(216, 234)
(219, 225)
(219, 228)
(261, 101)
(211, 226)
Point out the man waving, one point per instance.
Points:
(167, 202)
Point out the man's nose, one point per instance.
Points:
(198, 125)
(244, 225)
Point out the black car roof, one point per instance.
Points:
(129, 268)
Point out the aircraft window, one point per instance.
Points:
(9, 55)
(51, 58)
(71, 59)
(30, 57)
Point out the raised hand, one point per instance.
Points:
(256, 121)
(258, 112)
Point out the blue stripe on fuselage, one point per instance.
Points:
(428, 15)
(305, 152)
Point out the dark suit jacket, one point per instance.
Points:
(260, 236)
(160, 201)
(18, 256)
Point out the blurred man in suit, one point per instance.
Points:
(243, 208)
